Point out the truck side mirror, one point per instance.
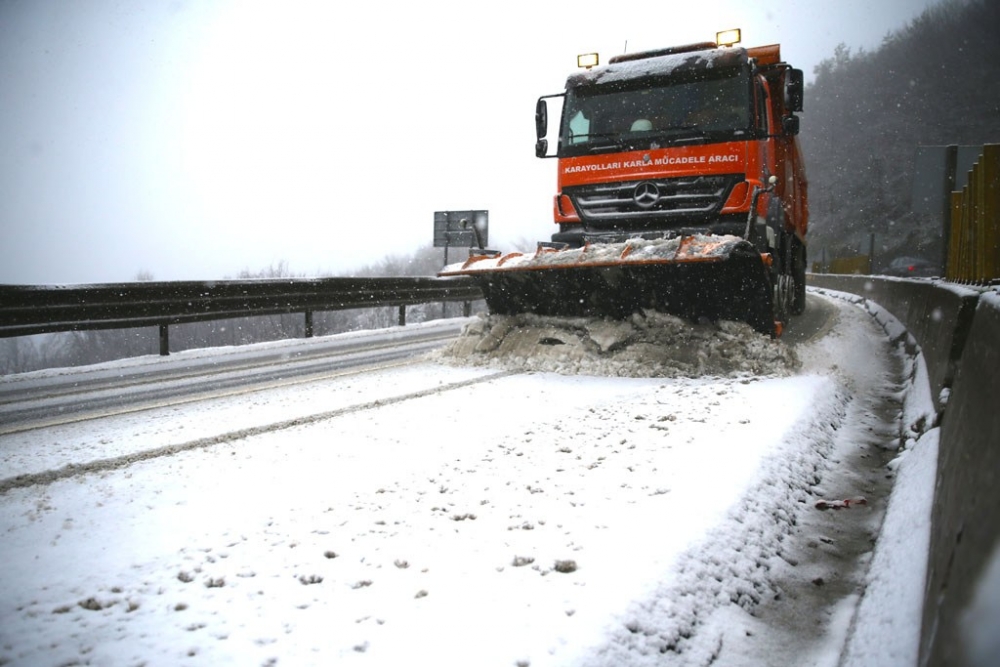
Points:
(541, 119)
(790, 125)
(542, 148)
(794, 90)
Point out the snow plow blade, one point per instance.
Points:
(694, 277)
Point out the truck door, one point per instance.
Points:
(765, 147)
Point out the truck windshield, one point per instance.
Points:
(655, 113)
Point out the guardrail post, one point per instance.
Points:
(990, 211)
(309, 324)
(164, 341)
(466, 308)
(402, 316)
(954, 265)
(974, 239)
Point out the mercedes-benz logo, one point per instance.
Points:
(646, 194)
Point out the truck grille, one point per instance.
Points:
(652, 201)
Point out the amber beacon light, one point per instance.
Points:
(728, 37)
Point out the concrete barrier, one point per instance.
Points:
(965, 523)
(937, 315)
(958, 330)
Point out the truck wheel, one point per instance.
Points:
(785, 284)
(783, 292)
(798, 271)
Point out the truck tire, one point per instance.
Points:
(798, 305)
(786, 283)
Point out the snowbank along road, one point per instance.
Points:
(539, 492)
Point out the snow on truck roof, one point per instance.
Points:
(629, 67)
(665, 65)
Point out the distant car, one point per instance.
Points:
(912, 267)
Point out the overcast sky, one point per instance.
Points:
(191, 140)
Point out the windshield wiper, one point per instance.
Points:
(682, 132)
(607, 146)
(596, 143)
(603, 143)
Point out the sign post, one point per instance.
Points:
(462, 229)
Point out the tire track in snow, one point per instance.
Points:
(779, 571)
(113, 463)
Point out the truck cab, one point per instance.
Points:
(691, 139)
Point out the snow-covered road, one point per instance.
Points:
(454, 515)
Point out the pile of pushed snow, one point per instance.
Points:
(649, 344)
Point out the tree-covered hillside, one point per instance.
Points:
(934, 82)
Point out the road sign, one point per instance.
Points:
(461, 229)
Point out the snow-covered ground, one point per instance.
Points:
(458, 514)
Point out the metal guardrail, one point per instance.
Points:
(35, 309)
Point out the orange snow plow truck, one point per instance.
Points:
(681, 188)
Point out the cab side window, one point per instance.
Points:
(579, 128)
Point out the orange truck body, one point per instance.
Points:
(632, 162)
(681, 189)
